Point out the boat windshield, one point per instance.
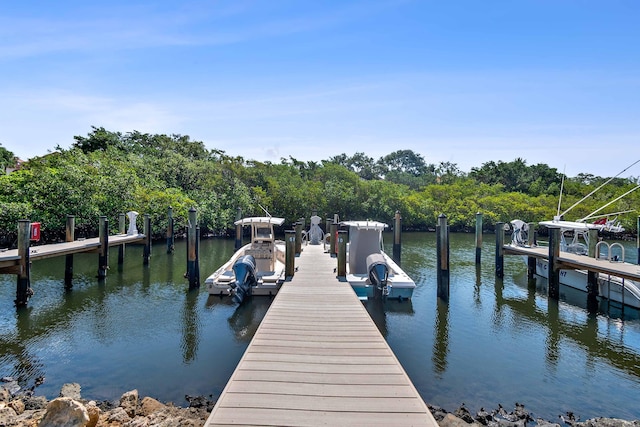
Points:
(263, 233)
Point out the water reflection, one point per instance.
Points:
(190, 327)
(441, 340)
(379, 309)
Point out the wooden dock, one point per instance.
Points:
(11, 258)
(580, 262)
(317, 358)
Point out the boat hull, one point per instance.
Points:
(613, 288)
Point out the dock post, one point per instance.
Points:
(103, 253)
(290, 252)
(638, 238)
(147, 239)
(298, 230)
(554, 271)
(122, 229)
(442, 255)
(170, 232)
(397, 238)
(500, 249)
(191, 249)
(478, 237)
(531, 241)
(70, 236)
(332, 238)
(342, 253)
(592, 276)
(238, 243)
(197, 265)
(23, 288)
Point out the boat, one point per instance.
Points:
(257, 268)
(574, 238)
(370, 271)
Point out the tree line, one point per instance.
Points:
(108, 173)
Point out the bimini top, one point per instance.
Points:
(366, 225)
(569, 225)
(259, 220)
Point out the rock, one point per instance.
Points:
(94, 413)
(200, 402)
(150, 405)
(129, 402)
(65, 411)
(484, 417)
(5, 396)
(33, 403)
(139, 422)
(544, 423)
(608, 422)
(17, 405)
(118, 415)
(71, 390)
(7, 415)
(463, 413)
(451, 420)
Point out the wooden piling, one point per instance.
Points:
(238, 243)
(397, 238)
(342, 253)
(554, 271)
(290, 252)
(638, 238)
(531, 241)
(147, 239)
(122, 230)
(298, 230)
(70, 236)
(442, 255)
(500, 249)
(478, 237)
(170, 231)
(332, 238)
(197, 266)
(191, 249)
(592, 276)
(103, 252)
(23, 288)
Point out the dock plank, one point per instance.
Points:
(317, 358)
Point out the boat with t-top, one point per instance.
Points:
(370, 271)
(257, 268)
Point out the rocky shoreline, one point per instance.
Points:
(20, 408)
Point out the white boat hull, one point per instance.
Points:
(269, 279)
(613, 288)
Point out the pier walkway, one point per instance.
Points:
(317, 358)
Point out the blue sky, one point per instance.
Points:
(554, 82)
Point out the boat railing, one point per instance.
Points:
(609, 253)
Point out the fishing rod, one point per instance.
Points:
(614, 200)
(605, 215)
(561, 189)
(605, 183)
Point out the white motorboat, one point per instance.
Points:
(574, 238)
(257, 268)
(370, 271)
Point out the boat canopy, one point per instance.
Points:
(365, 225)
(570, 225)
(259, 220)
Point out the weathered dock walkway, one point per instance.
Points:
(317, 358)
(11, 258)
(580, 262)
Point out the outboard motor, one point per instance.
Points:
(245, 272)
(378, 273)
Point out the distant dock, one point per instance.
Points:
(317, 358)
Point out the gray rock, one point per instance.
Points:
(451, 420)
(129, 402)
(65, 411)
(608, 422)
(138, 422)
(71, 390)
(5, 396)
(7, 415)
(118, 414)
(33, 403)
(17, 405)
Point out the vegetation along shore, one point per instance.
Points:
(108, 173)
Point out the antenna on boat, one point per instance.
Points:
(561, 189)
(602, 185)
(614, 200)
(609, 214)
(265, 210)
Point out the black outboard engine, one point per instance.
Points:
(245, 272)
(378, 273)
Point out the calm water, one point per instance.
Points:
(496, 341)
